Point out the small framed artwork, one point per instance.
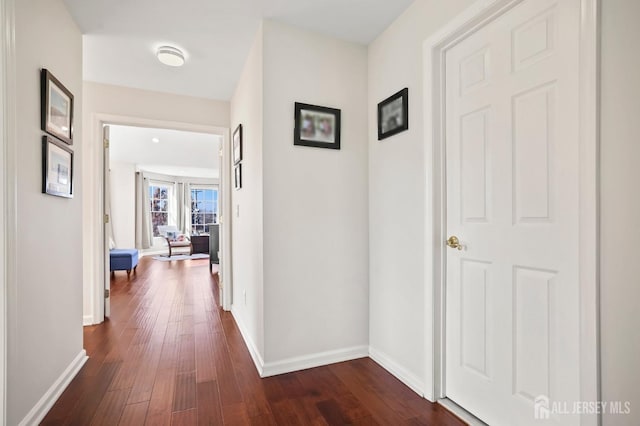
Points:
(237, 144)
(237, 177)
(316, 126)
(57, 168)
(56, 108)
(393, 114)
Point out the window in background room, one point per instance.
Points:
(204, 208)
(159, 198)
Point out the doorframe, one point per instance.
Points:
(476, 16)
(8, 182)
(94, 262)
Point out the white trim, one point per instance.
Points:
(225, 221)
(88, 320)
(296, 363)
(8, 183)
(414, 382)
(93, 261)
(314, 360)
(107, 227)
(590, 375)
(461, 413)
(478, 14)
(249, 343)
(42, 407)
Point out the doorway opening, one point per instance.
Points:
(158, 180)
(97, 257)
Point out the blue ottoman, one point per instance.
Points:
(123, 260)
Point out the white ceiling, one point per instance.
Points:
(121, 36)
(178, 153)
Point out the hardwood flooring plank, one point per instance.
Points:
(224, 373)
(235, 414)
(332, 412)
(186, 353)
(286, 412)
(110, 409)
(368, 395)
(161, 403)
(205, 362)
(96, 388)
(130, 367)
(263, 420)
(134, 414)
(252, 390)
(184, 418)
(184, 397)
(145, 377)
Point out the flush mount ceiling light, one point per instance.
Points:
(155, 140)
(170, 56)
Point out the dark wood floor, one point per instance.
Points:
(169, 355)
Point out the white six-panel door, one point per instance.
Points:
(512, 169)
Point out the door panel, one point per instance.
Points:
(474, 291)
(474, 160)
(512, 172)
(533, 130)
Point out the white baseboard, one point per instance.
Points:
(88, 320)
(43, 406)
(314, 360)
(296, 363)
(401, 373)
(253, 350)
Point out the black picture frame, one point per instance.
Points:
(56, 105)
(237, 177)
(237, 144)
(393, 114)
(57, 168)
(316, 126)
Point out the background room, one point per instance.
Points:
(180, 171)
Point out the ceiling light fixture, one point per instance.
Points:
(155, 140)
(171, 56)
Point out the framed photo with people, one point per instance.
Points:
(316, 126)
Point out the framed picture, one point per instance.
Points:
(57, 168)
(316, 126)
(393, 114)
(237, 144)
(237, 177)
(56, 108)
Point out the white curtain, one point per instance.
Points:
(144, 233)
(184, 207)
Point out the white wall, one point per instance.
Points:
(135, 107)
(620, 208)
(315, 200)
(123, 203)
(45, 304)
(247, 227)
(397, 212)
(125, 101)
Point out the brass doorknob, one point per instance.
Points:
(453, 242)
